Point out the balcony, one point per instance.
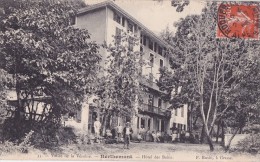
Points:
(149, 83)
(154, 109)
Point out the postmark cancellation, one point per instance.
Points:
(238, 21)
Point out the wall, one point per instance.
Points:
(178, 119)
(95, 23)
(147, 69)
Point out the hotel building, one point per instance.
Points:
(106, 20)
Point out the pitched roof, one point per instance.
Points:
(125, 14)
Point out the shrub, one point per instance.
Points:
(66, 135)
(8, 147)
(250, 144)
(26, 143)
(23, 147)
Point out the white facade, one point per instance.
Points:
(102, 21)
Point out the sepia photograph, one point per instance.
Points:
(130, 80)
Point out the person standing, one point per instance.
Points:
(127, 131)
(119, 132)
(97, 127)
(142, 132)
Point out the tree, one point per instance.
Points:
(121, 91)
(206, 66)
(42, 50)
(243, 96)
(180, 4)
(4, 79)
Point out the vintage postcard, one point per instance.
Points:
(130, 80)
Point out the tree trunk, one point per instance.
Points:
(222, 132)
(104, 121)
(189, 119)
(202, 134)
(108, 124)
(19, 103)
(217, 134)
(210, 142)
(230, 140)
(195, 121)
(209, 139)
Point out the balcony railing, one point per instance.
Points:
(149, 83)
(153, 109)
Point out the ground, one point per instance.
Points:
(138, 151)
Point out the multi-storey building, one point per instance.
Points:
(105, 20)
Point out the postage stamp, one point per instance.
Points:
(238, 21)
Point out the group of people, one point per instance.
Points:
(121, 132)
(158, 136)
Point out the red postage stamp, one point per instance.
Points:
(238, 21)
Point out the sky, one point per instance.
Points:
(156, 15)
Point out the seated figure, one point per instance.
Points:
(154, 136)
(139, 137)
(108, 133)
(174, 136)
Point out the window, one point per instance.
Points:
(138, 122)
(141, 49)
(130, 27)
(164, 52)
(73, 20)
(117, 18)
(160, 50)
(150, 100)
(158, 124)
(150, 44)
(38, 92)
(179, 126)
(141, 39)
(159, 103)
(155, 47)
(144, 40)
(150, 103)
(123, 21)
(143, 122)
(161, 63)
(135, 28)
(149, 123)
(118, 36)
(130, 43)
(174, 125)
(162, 126)
(182, 111)
(151, 59)
(176, 112)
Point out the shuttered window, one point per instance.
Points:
(118, 36)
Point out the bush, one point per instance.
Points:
(26, 143)
(23, 147)
(250, 144)
(53, 137)
(66, 136)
